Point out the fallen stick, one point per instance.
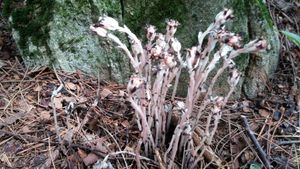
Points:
(259, 149)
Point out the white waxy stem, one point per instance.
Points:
(234, 77)
(100, 31)
(169, 60)
(151, 32)
(109, 23)
(176, 45)
(135, 83)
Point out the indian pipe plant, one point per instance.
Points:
(157, 66)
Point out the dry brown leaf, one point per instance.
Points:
(12, 118)
(25, 129)
(54, 156)
(58, 102)
(69, 135)
(5, 160)
(125, 124)
(90, 159)
(45, 115)
(38, 88)
(264, 112)
(101, 146)
(246, 108)
(23, 106)
(70, 86)
(82, 99)
(16, 77)
(129, 149)
(105, 92)
(69, 99)
(82, 154)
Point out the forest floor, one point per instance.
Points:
(94, 119)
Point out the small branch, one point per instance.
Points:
(260, 151)
(54, 94)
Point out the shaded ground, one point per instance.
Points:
(95, 120)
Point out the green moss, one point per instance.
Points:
(6, 8)
(140, 13)
(31, 22)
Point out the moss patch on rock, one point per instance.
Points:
(31, 21)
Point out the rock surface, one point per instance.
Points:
(56, 32)
(64, 39)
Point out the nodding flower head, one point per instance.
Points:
(230, 39)
(135, 83)
(256, 45)
(176, 45)
(193, 58)
(155, 53)
(151, 32)
(169, 60)
(107, 22)
(100, 31)
(261, 44)
(223, 16)
(172, 27)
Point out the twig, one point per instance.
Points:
(288, 142)
(115, 143)
(54, 94)
(260, 151)
(50, 153)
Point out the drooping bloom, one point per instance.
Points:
(151, 32)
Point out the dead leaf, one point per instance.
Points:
(58, 102)
(90, 159)
(38, 88)
(101, 146)
(264, 113)
(54, 156)
(129, 149)
(69, 135)
(11, 119)
(70, 86)
(25, 129)
(105, 92)
(5, 160)
(69, 99)
(16, 77)
(2, 63)
(125, 124)
(82, 99)
(82, 154)
(246, 108)
(45, 115)
(23, 106)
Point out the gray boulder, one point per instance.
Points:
(57, 33)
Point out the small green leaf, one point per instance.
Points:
(255, 166)
(292, 37)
